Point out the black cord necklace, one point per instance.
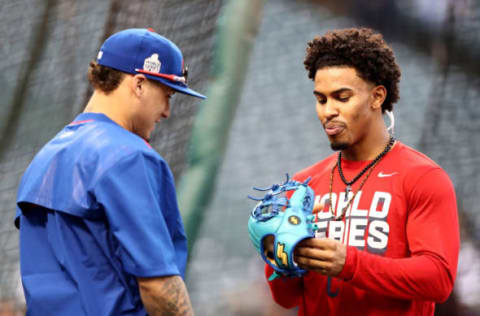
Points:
(374, 162)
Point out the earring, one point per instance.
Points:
(392, 121)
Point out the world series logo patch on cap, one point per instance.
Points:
(152, 64)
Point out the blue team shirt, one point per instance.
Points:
(96, 209)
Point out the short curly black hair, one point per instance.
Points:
(362, 49)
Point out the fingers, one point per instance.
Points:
(308, 256)
(268, 246)
(321, 243)
(325, 256)
(317, 207)
(313, 253)
(313, 264)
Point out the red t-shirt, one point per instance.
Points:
(402, 235)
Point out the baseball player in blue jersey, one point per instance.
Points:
(100, 230)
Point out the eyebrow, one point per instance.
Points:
(334, 92)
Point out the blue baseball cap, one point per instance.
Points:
(143, 51)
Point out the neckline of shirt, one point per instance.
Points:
(355, 164)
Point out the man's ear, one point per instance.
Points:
(137, 84)
(379, 93)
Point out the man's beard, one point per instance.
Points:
(338, 146)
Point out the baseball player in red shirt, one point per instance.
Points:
(387, 241)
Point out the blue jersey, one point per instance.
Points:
(96, 209)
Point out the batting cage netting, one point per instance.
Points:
(275, 130)
(46, 47)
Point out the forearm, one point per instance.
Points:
(165, 296)
(424, 276)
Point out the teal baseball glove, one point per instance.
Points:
(287, 221)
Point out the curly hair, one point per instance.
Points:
(362, 49)
(104, 78)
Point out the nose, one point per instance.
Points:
(327, 111)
